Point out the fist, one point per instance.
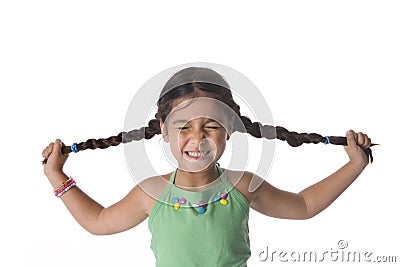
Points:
(54, 160)
(356, 142)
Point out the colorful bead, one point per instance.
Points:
(202, 204)
(217, 198)
(224, 195)
(223, 201)
(201, 210)
(177, 206)
(182, 201)
(175, 200)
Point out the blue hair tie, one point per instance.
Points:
(327, 141)
(74, 148)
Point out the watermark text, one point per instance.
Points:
(341, 253)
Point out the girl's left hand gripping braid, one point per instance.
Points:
(356, 142)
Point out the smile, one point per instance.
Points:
(196, 155)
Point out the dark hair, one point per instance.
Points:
(191, 82)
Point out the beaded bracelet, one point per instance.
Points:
(63, 184)
(64, 187)
(57, 191)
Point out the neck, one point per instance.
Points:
(196, 179)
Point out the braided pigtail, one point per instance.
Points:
(294, 139)
(198, 81)
(147, 132)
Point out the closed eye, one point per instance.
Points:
(209, 127)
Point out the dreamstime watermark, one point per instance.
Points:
(341, 253)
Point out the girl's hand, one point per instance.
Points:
(356, 142)
(55, 159)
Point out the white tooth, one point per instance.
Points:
(197, 154)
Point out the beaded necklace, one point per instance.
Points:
(201, 207)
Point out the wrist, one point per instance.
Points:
(56, 177)
(357, 165)
(53, 173)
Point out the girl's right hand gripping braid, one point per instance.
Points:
(88, 213)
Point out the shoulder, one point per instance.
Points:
(245, 182)
(154, 183)
(152, 188)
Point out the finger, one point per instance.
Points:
(47, 151)
(355, 136)
(57, 147)
(367, 142)
(360, 139)
(351, 138)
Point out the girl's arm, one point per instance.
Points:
(274, 202)
(96, 219)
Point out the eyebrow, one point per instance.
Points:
(185, 121)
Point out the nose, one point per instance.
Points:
(197, 136)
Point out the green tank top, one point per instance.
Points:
(207, 228)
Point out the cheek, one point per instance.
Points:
(177, 141)
(220, 141)
(222, 145)
(222, 137)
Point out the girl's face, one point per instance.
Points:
(197, 130)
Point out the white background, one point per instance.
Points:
(70, 69)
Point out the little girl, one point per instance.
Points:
(198, 214)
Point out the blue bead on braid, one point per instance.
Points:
(74, 148)
(327, 141)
